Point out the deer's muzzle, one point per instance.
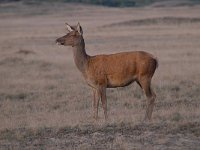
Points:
(60, 41)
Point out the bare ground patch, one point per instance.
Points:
(110, 136)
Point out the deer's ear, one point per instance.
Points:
(79, 29)
(69, 28)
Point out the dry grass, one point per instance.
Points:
(45, 103)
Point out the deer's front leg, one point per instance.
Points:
(95, 103)
(104, 102)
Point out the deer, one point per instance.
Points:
(111, 70)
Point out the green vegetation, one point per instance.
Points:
(110, 3)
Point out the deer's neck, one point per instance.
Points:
(80, 56)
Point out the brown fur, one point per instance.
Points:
(110, 71)
(118, 70)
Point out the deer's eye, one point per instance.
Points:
(71, 35)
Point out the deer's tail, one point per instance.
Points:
(156, 60)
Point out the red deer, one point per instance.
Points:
(111, 71)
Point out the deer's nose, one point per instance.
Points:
(59, 41)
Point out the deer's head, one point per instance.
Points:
(73, 38)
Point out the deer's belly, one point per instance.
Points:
(110, 81)
(119, 81)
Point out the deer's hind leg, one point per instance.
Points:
(145, 83)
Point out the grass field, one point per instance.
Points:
(46, 104)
